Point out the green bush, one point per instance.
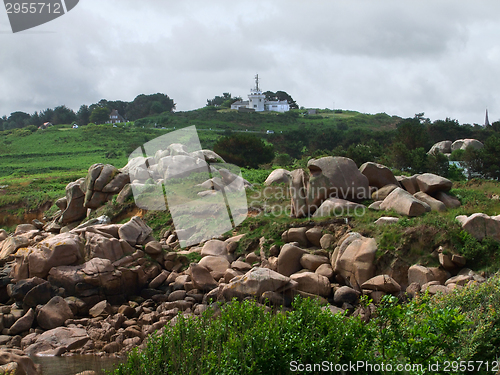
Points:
(245, 338)
(244, 150)
(255, 176)
(282, 160)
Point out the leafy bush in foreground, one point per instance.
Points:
(245, 338)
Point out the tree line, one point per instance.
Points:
(404, 148)
(142, 106)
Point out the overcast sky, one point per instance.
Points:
(398, 57)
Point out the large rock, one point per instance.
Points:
(327, 241)
(430, 183)
(312, 262)
(19, 290)
(345, 294)
(38, 295)
(448, 200)
(102, 182)
(354, 259)
(278, 176)
(62, 338)
(11, 245)
(54, 313)
(135, 231)
(74, 209)
(318, 189)
(61, 250)
(212, 157)
(410, 184)
(289, 259)
(178, 166)
(313, 283)
(153, 248)
(404, 203)
(378, 175)
(99, 276)
(116, 184)
(462, 144)
(480, 225)
(383, 283)
(382, 193)
(339, 207)
(25, 228)
(99, 246)
(214, 248)
(384, 220)
(325, 270)
(298, 193)
(102, 308)
(421, 275)
(314, 236)
(443, 147)
(434, 204)
(23, 324)
(255, 282)
(215, 264)
(296, 235)
(201, 277)
(347, 182)
(24, 364)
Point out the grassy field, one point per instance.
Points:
(36, 165)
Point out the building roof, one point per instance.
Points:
(241, 102)
(276, 102)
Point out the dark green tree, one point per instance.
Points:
(496, 126)
(35, 119)
(100, 115)
(438, 163)
(18, 120)
(442, 130)
(141, 106)
(63, 115)
(488, 164)
(244, 150)
(281, 95)
(412, 133)
(83, 115)
(156, 108)
(46, 115)
(223, 101)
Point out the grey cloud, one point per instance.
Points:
(385, 56)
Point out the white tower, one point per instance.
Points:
(256, 97)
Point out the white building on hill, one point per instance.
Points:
(257, 102)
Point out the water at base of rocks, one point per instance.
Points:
(74, 364)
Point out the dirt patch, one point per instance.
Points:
(9, 217)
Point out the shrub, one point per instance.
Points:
(282, 160)
(244, 150)
(245, 338)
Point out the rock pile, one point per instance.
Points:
(103, 288)
(334, 185)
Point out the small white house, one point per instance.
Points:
(257, 102)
